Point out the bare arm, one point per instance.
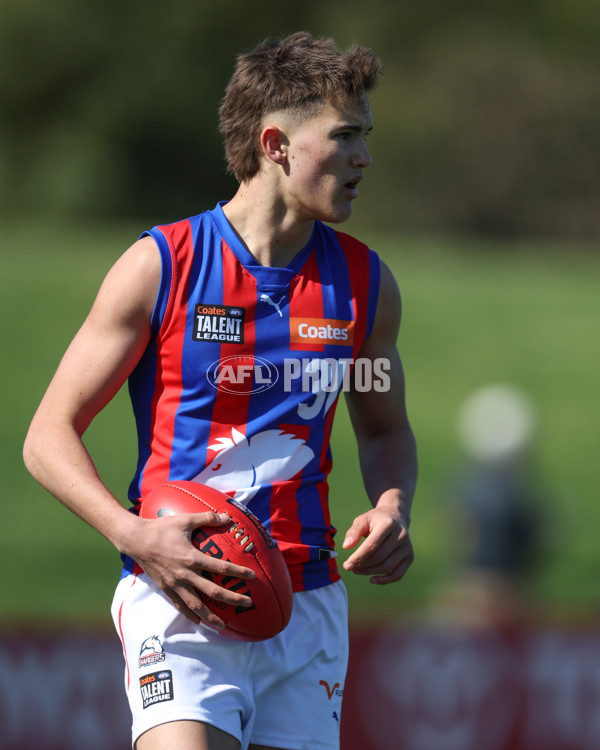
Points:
(387, 453)
(95, 366)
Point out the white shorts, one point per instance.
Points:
(284, 692)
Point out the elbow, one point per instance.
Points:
(31, 457)
(29, 454)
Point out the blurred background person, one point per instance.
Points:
(497, 502)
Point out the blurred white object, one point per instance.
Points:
(497, 424)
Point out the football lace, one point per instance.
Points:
(238, 532)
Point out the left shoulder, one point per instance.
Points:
(389, 291)
(389, 306)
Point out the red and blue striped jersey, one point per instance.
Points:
(238, 386)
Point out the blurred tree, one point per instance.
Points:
(110, 108)
(487, 120)
(493, 136)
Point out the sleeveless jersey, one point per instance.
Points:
(238, 386)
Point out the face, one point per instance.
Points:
(326, 156)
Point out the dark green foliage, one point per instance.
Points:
(487, 120)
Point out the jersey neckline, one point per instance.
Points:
(266, 276)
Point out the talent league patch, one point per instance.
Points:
(156, 688)
(219, 323)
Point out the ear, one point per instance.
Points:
(274, 144)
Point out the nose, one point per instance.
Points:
(362, 157)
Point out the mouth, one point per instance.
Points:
(352, 186)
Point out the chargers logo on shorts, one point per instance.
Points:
(220, 323)
(156, 688)
(151, 651)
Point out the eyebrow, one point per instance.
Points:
(355, 127)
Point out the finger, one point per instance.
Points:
(194, 601)
(200, 611)
(208, 518)
(395, 575)
(355, 533)
(207, 562)
(372, 546)
(213, 590)
(182, 607)
(383, 558)
(381, 552)
(220, 567)
(384, 540)
(392, 569)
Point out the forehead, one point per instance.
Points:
(355, 112)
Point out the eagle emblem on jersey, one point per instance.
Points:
(246, 464)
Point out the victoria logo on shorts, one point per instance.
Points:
(219, 323)
(333, 690)
(156, 688)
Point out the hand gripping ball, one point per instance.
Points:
(244, 541)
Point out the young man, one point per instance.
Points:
(257, 280)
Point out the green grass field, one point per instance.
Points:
(472, 315)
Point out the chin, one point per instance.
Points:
(337, 215)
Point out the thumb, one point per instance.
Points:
(355, 533)
(208, 518)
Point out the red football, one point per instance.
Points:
(244, 541)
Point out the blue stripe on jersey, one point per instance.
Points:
(166, 276)
(205, 286)
(337, 292)
(375, 278)
(141, 382)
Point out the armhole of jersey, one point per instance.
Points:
(161, 304)
(374, 282)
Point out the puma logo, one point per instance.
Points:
(266, 298)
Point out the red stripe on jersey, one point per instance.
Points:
(286, 527)
(169, 350)
(229, 407)
(325, 464)
(306, 299)
(285, 523)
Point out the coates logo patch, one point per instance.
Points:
(242, 374)
(220, 323)
(320, 331)
(151, 652)
(156, 688)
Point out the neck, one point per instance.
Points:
(265, 226)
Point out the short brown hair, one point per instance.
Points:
(296, 73)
